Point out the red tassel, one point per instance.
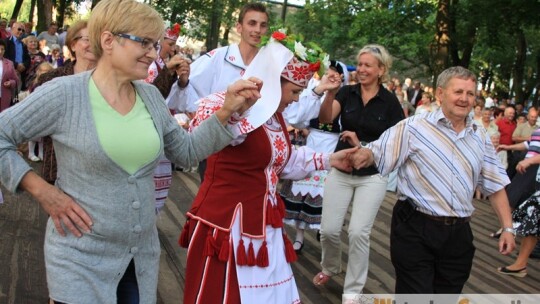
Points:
(290, 254)
(270, 220)
(183, 241)
(209, 248)
(278, 217)
(224, 250)
(262, 256)
(251, 255)
(241, 257)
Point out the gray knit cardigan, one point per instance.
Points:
(88, 269)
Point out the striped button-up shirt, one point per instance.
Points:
(438, 168)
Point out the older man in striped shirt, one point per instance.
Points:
(441, 158)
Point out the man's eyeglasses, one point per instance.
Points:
(20, 30)
(146, 43)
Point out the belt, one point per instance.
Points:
(445, 220)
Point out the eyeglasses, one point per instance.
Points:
(83, 38)
(20, 30)
(146, 43)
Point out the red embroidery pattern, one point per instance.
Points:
(318, 159)
(280, 154)
(268, 285)
(207, 106)
(232, 58)
(300, 72)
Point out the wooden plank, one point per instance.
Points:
(22, 223)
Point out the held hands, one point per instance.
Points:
(242, 94)
(362, 158)
(350, 137)
(330, 82)
(181, 66)
(342, 159)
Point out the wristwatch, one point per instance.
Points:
(509, 229)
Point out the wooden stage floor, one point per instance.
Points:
(22, 272)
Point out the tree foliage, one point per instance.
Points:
(497, 39)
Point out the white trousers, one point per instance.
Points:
(366, 194)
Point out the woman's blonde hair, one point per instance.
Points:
(382, 55)
(42, 68)
(27, 39)
(73, 34)
(122, 17)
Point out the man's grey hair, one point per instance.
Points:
(454, 72)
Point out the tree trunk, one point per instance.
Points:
(44, 9)
(519, 66)
(536, 98)
(17, 9)
(215, 22)
(440, 47)
(32, 9)
(468, 46)
(61, 12)
(284, 11)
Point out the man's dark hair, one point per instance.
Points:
(254, 6)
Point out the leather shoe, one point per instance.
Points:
(516, 273)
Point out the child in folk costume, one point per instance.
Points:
(237, 249)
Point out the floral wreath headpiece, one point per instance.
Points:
(307, 59)
(174, 32)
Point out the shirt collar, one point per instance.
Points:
(469, 123)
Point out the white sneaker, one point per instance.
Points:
(34, 158)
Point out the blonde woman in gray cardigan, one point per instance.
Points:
(101, 243)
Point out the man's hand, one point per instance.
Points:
(341, 159)
(507, 243)
(21, 68)
(362, 158)
(522, 166)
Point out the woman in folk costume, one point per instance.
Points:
(303, 199)
(237, 249)
(162, 73)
